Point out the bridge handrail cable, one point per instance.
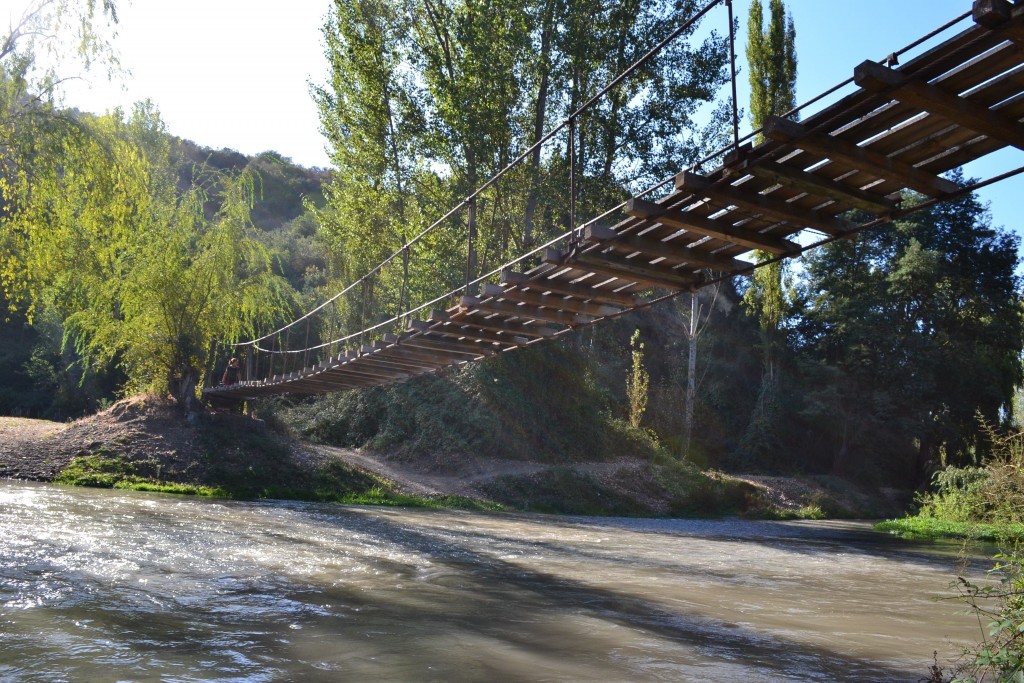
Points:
(515, 162)
(540, 142)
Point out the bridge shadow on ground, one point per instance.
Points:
(498, 591)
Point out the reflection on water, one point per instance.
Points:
(106, 585)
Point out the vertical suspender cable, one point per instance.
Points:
(333, 328)
(305, 354)
(732, 66)
(572, 181)
(405, 293)
(362, 313)
(470, 246)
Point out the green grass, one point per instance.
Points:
(334, 483)
(137, 484)
(930, 527)
(810, 511)
(99, 471)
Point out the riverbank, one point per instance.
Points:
(142, 442)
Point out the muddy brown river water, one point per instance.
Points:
(120, 586)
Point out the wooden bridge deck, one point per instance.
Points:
(900, 129)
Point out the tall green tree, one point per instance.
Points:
(102, 236)
(922, 322)
(428, 98)
(771, 57)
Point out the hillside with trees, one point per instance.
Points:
(129, 258)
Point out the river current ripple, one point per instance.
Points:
(121, 586)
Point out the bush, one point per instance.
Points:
(999, 657)
(993, 494)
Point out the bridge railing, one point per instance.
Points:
(545, 197)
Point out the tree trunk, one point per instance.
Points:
(183, 388)
(538, 124)
(691, 376)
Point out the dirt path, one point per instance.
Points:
(146, 431)
(466, 477)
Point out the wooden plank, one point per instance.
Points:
(669, 250)
(384, 359)
(627, 270)
(784, 130)
(726, 232)
(584, 292)
(504, 341)
(559, 303)
(483, 320)
(822, 186)
(879, 79)
(767, 205)
(525, 311)
(442, 358)
(469, 350)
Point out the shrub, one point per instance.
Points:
(999, 657)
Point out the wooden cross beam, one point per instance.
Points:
(655, 248)
(558, 303)
(755, 202)
(820, 185)
(700, 225)
(581, 291)
(932, 99)
(469, 350)
(863, 158)
(457, 332)
(1000, 17)
(627, 270)
(479, 319)
(524, 311)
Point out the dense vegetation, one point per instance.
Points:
(128, 255)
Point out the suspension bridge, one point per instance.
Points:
(900, 129)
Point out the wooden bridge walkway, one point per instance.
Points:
(903, 126)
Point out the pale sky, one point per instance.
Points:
(235, 73)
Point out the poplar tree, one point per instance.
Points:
(429, 98)
(771, 57)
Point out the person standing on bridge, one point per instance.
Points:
(231, 372)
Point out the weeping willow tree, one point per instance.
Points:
(98, 231)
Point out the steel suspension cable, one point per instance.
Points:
(567, 122)
(646, 57)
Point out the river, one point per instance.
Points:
(120, 586)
